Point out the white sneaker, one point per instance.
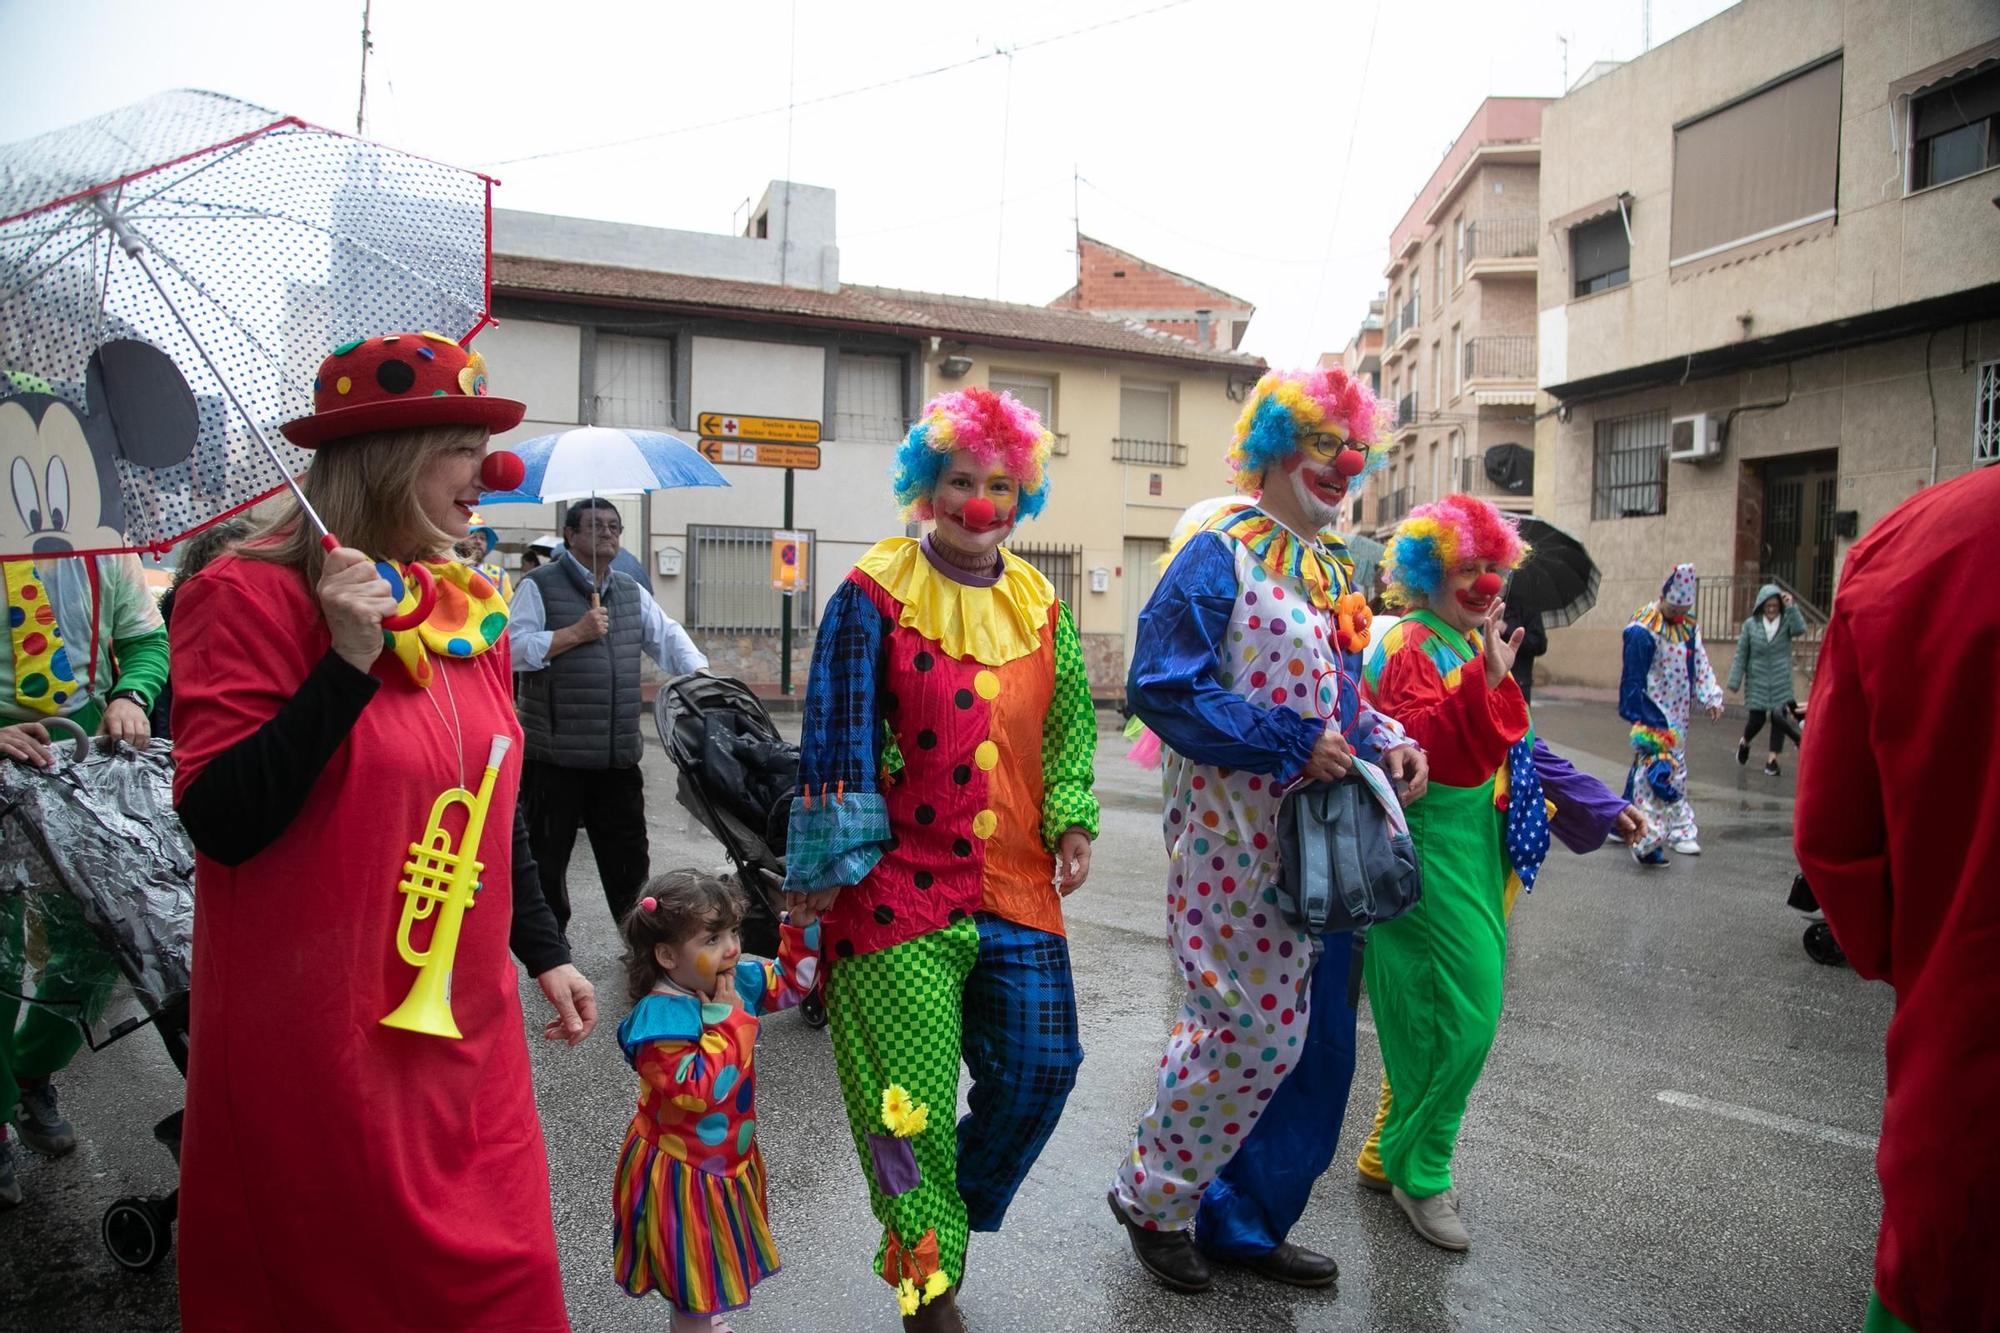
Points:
(1688, 847)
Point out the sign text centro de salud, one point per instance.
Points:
(759, 430)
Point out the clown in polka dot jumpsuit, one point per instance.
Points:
(1238, 703)
(1666, 670)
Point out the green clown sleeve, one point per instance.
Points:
(1069, 742)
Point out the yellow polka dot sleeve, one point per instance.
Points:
(1069, 742)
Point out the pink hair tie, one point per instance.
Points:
(650, 903)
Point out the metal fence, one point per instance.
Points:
(1501, 238)
(1159, 453)
(1628, 476)
(1722, 602)
(1509, 357)
(1406, 410)
(729, 581)
(1404, 322)
(1061, 565)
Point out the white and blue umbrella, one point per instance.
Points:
(601, 460)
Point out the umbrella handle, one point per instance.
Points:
(426, 594)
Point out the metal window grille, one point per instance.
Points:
(634, 383)
(1159, 453)
(1061, 565)
(868, 399)
(1986, 419)
(1629, 472)
(729, 581)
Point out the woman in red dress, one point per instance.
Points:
(338, 1173)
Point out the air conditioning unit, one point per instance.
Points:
(1695, 439)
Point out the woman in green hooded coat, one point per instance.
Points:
(1763, 671)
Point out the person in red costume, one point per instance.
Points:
(1896, 832)
(339, 1173)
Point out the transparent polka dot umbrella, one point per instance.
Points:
(242, 244)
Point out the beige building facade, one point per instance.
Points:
(1458, 355)
(1769, 300)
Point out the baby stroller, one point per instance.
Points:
(1820, 944)
(97, 924)
(737, 776)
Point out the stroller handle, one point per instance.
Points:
(70, 724)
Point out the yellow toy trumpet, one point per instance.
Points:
(441, 874)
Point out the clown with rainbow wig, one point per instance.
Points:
(1246, 666)
(946, 810)
(1496, 794)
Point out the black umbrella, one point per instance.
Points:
(1558, 581)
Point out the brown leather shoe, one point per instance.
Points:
(937, 1316)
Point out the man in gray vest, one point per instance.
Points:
(578, 626)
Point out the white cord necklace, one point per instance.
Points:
(454, 730)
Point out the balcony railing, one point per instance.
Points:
(1501, 238)
(1406, 410)
(1159, 453)
(1509, 359)
(1406, 322)
(1391, 507)
(1472, 480)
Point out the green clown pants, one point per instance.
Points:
(75, 979)
(1434, 978)
(895, 1019)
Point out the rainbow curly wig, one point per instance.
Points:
(1288, 404)
(988, 426)
(1437, 538)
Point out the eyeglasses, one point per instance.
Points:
(1325, 446)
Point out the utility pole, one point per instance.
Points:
(1645, 26)
(367, 45)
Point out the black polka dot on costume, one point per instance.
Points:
(395, 376)
(925, 662)
(923, 879)
(926, 815)
(962, 774)
(957, 915)
(963, 698)
(890, 703)
(884, 914)
(927, 739)
(843, 948)
(889, 847)
(962, 847)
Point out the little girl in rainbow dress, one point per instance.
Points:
(689, 1193)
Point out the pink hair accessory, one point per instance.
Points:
(650, 903)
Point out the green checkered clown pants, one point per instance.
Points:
(895, 1018)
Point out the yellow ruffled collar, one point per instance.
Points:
(993, 626)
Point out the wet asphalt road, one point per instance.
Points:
(1674, 1130)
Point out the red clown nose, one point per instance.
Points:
(1486, 585)
(978, 513)
(1350, 462)
(502, 471)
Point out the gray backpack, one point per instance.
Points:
(1346, 859)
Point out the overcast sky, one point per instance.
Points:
(1263, 146)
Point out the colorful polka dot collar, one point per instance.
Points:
(468, 619)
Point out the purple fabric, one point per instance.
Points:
(1585, 808)
(896, 1169)
(957, 575)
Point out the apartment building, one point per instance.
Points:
(1769, 298)
(1362, 357)
(1458, 355)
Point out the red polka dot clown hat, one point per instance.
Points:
(400, 381)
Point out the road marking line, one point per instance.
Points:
(1784, 1124)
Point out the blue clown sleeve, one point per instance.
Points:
(1173, 686)
(840, 823)
(1634, 704)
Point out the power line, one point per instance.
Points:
(1346, 160)
(844, 93)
